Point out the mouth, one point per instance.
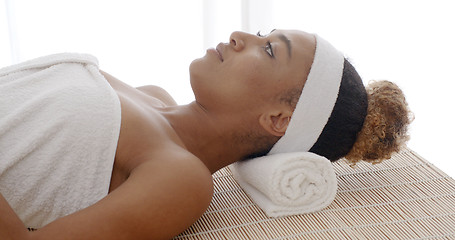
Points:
(220, 52)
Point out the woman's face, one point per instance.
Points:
(251, 72)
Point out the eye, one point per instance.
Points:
(268, 46)
(268, 49)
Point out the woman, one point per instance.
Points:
(246, 93)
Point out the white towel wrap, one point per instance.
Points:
(59, 127)
(287, 183)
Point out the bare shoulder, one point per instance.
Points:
(179, 169)
(160, 199)
(159, 93)
(171, 192)
(150, 90)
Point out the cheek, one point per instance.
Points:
(244, 79)
(254, 87)
(247, 71)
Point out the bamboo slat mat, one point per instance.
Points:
(405, 197)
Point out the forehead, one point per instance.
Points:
(302, 42)
(304, 37)
(303, 46)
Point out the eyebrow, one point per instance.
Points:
(286, 40)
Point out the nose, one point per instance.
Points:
(237, 40)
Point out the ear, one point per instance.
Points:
(275, 123)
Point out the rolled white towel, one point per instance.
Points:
(287, 183)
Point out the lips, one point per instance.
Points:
(219, 50)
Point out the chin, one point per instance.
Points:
(197, 66)
(195, 76)
(193, 71)
(199, 69)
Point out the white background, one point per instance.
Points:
(152, 42)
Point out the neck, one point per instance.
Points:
(209, 138)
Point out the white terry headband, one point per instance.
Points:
(316, 102)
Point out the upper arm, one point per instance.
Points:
(158, 201)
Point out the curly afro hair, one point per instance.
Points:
(385, 127)
(366, 123)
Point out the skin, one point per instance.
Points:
(161, 182)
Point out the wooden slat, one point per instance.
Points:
(405, 197)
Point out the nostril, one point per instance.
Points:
(233, 42)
